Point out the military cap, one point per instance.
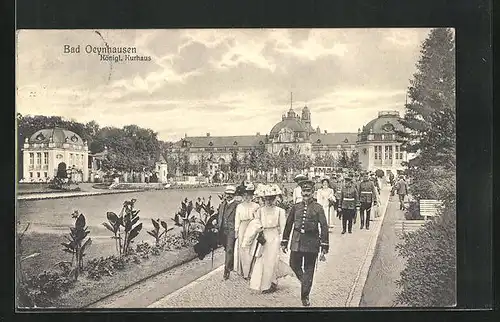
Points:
(306, 184)
(230, 190)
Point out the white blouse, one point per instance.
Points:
(245, 211)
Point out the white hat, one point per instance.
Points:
(230, 190)
(272, 190)
(259, 190)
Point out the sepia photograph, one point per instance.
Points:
(235, 168)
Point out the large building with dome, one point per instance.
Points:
(375, 142)
(47, 148)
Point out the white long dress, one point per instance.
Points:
(245, 212)
(271, 221)
(324, 196)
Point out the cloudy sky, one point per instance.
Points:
(226, 82)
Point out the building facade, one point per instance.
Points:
(295, 134)
(46, 149)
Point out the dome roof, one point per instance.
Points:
(293, 124)
(57, 135)
(386, 122)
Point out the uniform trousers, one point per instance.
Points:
(347, 218)
(365, 207)
(228, 240)
(303, 264)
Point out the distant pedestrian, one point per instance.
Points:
(226, 223)
(368, 196)
(326, 198)
(310, 235)
(348, 205)
(401, 188)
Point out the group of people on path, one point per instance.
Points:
(345, 198)
(254, 229)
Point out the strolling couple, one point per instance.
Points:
(253, 249)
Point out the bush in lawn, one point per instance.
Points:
(428, 279)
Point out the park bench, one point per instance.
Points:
(429, 208)
(407, 226)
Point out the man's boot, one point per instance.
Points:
(305, 301)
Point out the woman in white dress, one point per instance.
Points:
(326, 197)
(245, 212)
(264, 234)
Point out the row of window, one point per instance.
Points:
(39, 158)
(38, 175)
(398, 154)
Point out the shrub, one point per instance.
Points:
(42, 289)
(413, 211)
(157, 232)
(428, 280)
(184, 219)
(104, 266)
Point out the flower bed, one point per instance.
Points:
(79, 282)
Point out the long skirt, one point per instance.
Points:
(242, 252)
(266, 265)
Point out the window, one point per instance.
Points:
(388, 152)
(71, 159)
(31, 174)
(32, 158)
(38, 158)
(38, 174)
(45, 174)
(46, 158)
(399, 153)
(378, 152)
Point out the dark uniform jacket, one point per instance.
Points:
(367, 191)
(349, 197)
(227, 213)
(337, 187)
(307, 237)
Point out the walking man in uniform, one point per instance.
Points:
(401, 188)
(367, 194)
(310, 235)
(348, 204)
(226, 223)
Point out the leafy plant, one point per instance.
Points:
(23, 294)
(184, 219)
(127, 219)
(77, 242)
(157, 233)
(45, 287)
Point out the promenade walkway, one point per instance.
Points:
(69, 194)
(338, 282)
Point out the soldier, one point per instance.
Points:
(307, 239)
(367, 194)
(348, 205)
(226, 223)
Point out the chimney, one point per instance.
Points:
(208, 133)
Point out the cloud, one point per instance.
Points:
(224, 81)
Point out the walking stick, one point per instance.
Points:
(252, 263)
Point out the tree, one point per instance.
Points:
(354, 161)
(429, 121)
(430, 117)
(344, 160)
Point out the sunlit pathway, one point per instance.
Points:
(338, 282)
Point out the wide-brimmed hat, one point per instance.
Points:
(272, 190)
(259, 190)
(230, 190)
(299, 178)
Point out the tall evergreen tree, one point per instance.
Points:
(431, 113)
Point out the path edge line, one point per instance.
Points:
(355, 294)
